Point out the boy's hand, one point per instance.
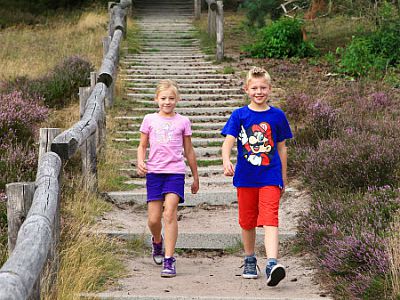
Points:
(141, 168)
(229, 170)
(195, 186)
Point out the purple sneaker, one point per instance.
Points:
(158, 253)
(169, 267)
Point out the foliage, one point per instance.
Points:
(281, 39)
(373, 53)
(347, 232)
(58, 86)
(3, 229)
(257, 11)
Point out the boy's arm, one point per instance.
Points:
(191, 158)
(141, 154)
(226, 155)
(282, 151)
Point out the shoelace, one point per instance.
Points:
(157, 249)
(168, 263)
(246, 268)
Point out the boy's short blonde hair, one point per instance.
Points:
(257, 72)
(165, 85)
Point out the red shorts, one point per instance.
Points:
(258, 206)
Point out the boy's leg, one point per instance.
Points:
(249, 241)
(170, 222)
(268, 217)
(271, 241)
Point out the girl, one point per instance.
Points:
(168, 133)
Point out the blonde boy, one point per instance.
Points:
(260, 173)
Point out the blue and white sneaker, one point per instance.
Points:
(250, 267)
(275, 273)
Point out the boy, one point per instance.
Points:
(260, 174)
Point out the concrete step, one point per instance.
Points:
(202, 133)
(193, 119)
(200, 151)
(204, 181)
(203, 171)
(193, 97)
(225, 196)
(186, 67)
(185, 90)
(191, 110)
(195, 141)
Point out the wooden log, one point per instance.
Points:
(211, 21)
(19, 201)
(125, 4)
(46, 137)
(220, 31)
(84, 93)
(67, 143)
(197, 9)
(110, 61)
(23, 267)
(212, 4)
(118, 19)
(111, 17)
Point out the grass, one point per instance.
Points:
(87, 260)
(34, 50)
(393, 248)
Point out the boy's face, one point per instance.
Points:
(167, 100)
(258, 91)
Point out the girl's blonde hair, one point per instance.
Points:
(257, 72)
(165, 85)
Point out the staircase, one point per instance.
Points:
(208, 220)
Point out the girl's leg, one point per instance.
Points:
(154, 212)
(249, 241)
(170, 216)
(271, 241)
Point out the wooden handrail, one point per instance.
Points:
(36, 242)
(215, 26)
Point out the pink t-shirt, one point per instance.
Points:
(166, 142)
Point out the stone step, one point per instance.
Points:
(149, 62)
(204, 182)
(191, 110)
(194, 103)
(193, 119)
(185, 90)
(179, 77)
(202, 171)
(161, 56)
(187, 67)
(168, 72)
(195, 141)
(203, 133)
(225, 196)
(194, 98)
(200, 151)
(183, 81)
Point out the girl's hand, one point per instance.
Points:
(195, 186)
(141, 169)
(229, 170)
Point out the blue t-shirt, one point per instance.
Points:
(258, 133)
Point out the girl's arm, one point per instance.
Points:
(141, 154)
(282, 151)
(191, 158)
(226, 155)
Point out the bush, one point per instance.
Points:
(353, 161)
(19, 117)
(57, 87)
(347, 233)
(257, 11)
(281, 39)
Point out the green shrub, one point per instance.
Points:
(281, 39)
(257, 11)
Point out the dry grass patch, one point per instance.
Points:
(393, 247)
(33, 50)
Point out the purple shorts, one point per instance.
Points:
(160, 184)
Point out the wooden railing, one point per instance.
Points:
(33, 207)
(215, 28)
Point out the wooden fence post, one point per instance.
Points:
(211, 21)
(197, 9)
(46, 137)
(19, 201)
(220, 30)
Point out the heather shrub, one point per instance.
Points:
(347, 232)
(353, 161)
(3, 229)
(59, 86)
(281, 39)
(18, 162)
(19, 117)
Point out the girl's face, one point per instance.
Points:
(167, 100)
(258, 91)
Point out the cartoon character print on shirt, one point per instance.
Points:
(164, 132)
(257, 143)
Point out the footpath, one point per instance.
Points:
(209, 252)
